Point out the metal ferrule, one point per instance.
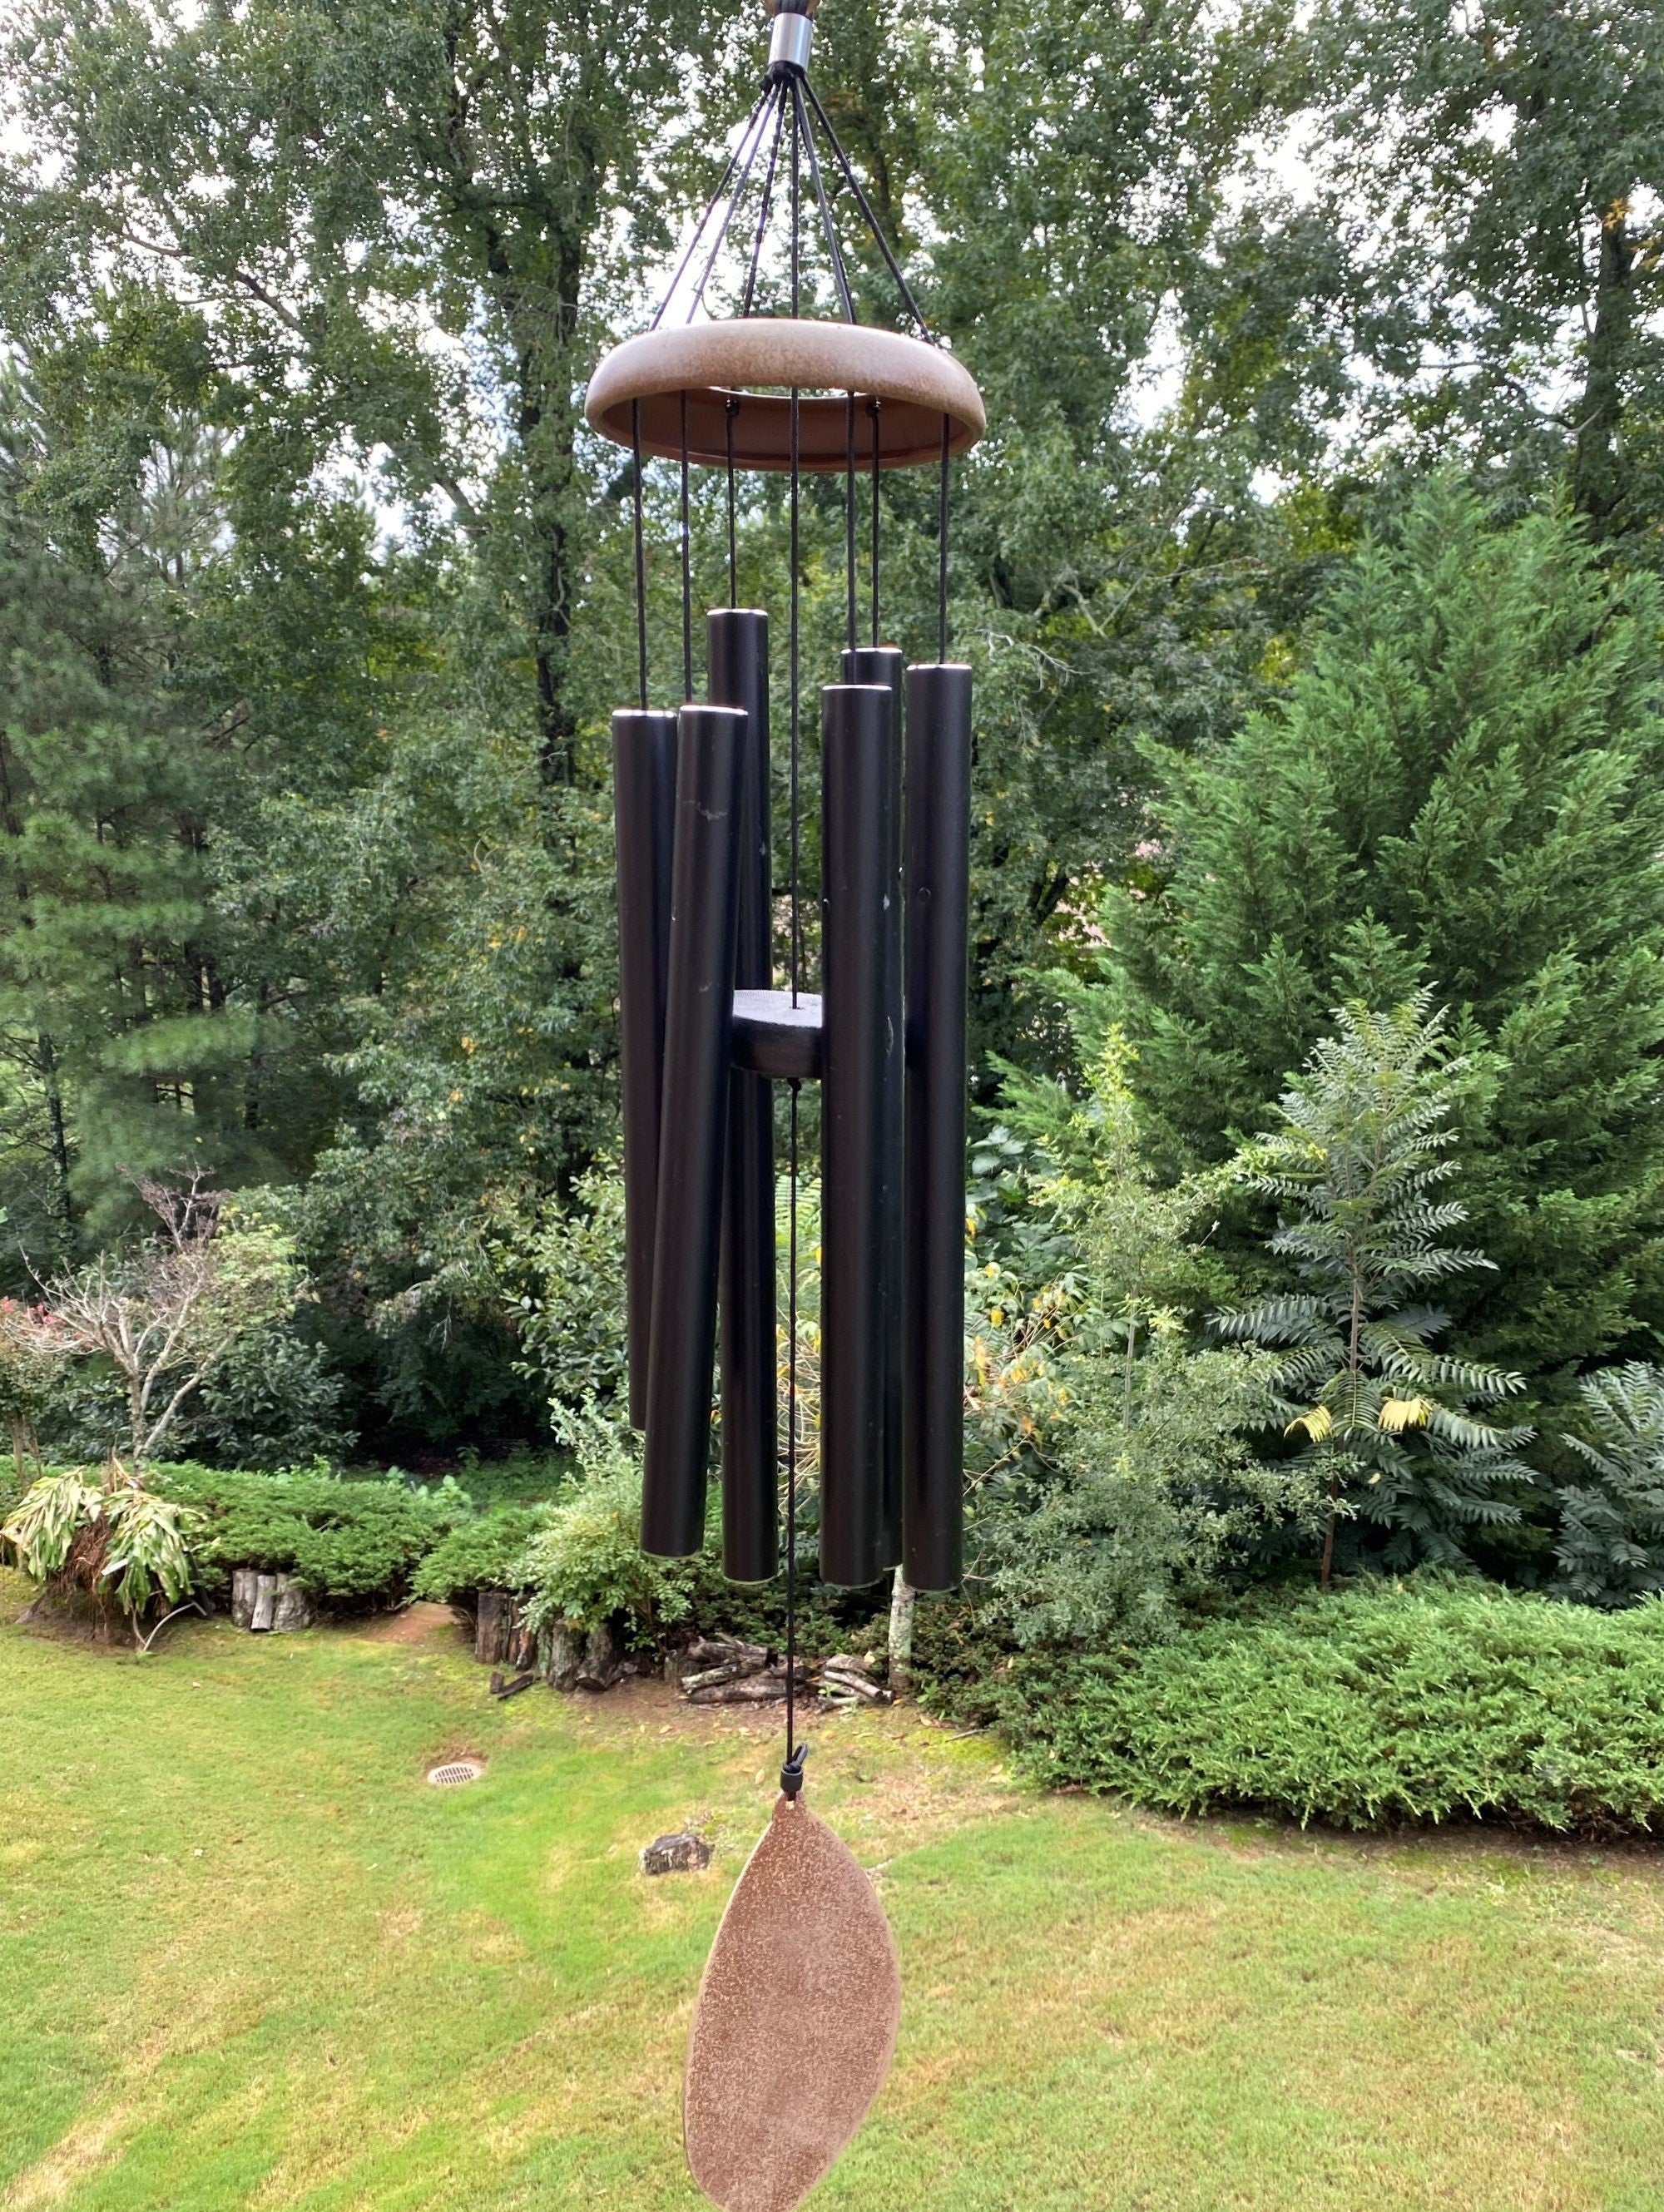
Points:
(789, 42)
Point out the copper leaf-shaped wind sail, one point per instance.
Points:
(796, 2021)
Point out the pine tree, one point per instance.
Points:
(1463, 789)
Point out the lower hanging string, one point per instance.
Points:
(687, 567)
(791, 1774)
(640, 553)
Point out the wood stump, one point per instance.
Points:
(602, 1664)
(266, 1604)
(293, 1609)
(244, 1584)
(493, 1626)
(562, 1657)
(682, 1853)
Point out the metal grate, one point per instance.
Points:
(455, 1771)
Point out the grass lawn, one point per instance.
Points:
(248, 1957)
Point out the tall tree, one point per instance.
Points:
(1492, 176)
(394, 222)
(1460, 787)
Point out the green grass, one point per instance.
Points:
(247, 1957)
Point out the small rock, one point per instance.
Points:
(682, 1853)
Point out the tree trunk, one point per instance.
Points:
(266, 1604)
(902, 1600)
(1596, 475)
(494, 1621)
(47, 1054)
(1328, 1532)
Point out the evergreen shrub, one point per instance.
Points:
(353, 1543)
(485, 1553)
(1382, 1704)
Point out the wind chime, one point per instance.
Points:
(800, 2001)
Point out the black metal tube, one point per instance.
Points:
(698, 1018)
(736, 657)
(883, 664)
(857, 725)
(644, 819)
(938, 763)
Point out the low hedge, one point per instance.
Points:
(1378, 1705)
(353, 1543)
(485, 1553)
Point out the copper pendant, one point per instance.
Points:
(796, 2021)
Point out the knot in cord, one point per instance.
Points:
(791, 1774)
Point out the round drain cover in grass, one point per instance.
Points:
(455, 1770)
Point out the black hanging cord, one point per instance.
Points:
(861, 201)
(942, 536)
(687, 566)
(760, 116)
(850, 522)
(791, 1779)
(640, 556)
(763, 212)
(796, 424)
(729, 412)
(790, 1775)
(875, 409)
(839, 277)
(710, 209)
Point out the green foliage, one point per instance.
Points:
(1610, 1542)
(1502, 274)
(570, 1316)
(274, 1400)
(116, 1538)
(352, 1543)
(43, 1526)
(485, 1553)
(1156, 1494)
(1124, 1476)
(1463, 787)
(1388, 1427)
(1381, 1704)
(586, 1565)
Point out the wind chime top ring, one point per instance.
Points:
(717, 364)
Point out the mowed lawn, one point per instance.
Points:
(249, 1958)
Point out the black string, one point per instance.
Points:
(710, 209)
(797, 928)
(942, 533)
(853, 182)
(729, 413)
(760, 116)
(793, 1764)
(763, 211)
(840, 278)
(640, 557)
(687, 566)
(850, 522)
(791, 1758)
(874, 408)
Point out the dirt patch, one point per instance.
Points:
(416, 1623)
(889, 1778)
